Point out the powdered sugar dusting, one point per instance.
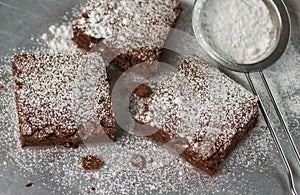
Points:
(59, 170)
(59, 39)
(198, 102)
(55, 93)
(243, 31)
(253, 168)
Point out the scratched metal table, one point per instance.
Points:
(253, 168)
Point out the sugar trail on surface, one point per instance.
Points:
(58, 39)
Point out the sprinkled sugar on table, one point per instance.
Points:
(254, 167)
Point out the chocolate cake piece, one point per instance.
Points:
(200, 112)
(134, 29)
(57, 95)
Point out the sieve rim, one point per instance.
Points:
(283, 17)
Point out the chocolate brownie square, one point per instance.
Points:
(201, 112)
(134, 30)
(60, 95)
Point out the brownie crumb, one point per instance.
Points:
(29, 184)
(93, 188)
(141, 90)
(150, 160)
(138, 161)
(1, 87)
(134, 183)
(91, 162)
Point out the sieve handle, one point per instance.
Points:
(272, 131)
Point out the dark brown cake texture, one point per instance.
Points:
(29, 184)
(91, 162)
(201, 108)
(140, 90)
(55, 94)
(135, 30)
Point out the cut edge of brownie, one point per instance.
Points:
(72, 140)
(211, 165)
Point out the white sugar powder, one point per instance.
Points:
(57, 170)
(59, 39)
(242, 30)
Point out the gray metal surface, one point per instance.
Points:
(254, 167)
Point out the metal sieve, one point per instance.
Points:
(280, 16)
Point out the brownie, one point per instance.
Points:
(200, 112)
(62, 99)
(134, 30)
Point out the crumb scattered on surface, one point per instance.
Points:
(150, 160)
(29, 184)
(91, 162)
(137, 161)
(141, 90)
